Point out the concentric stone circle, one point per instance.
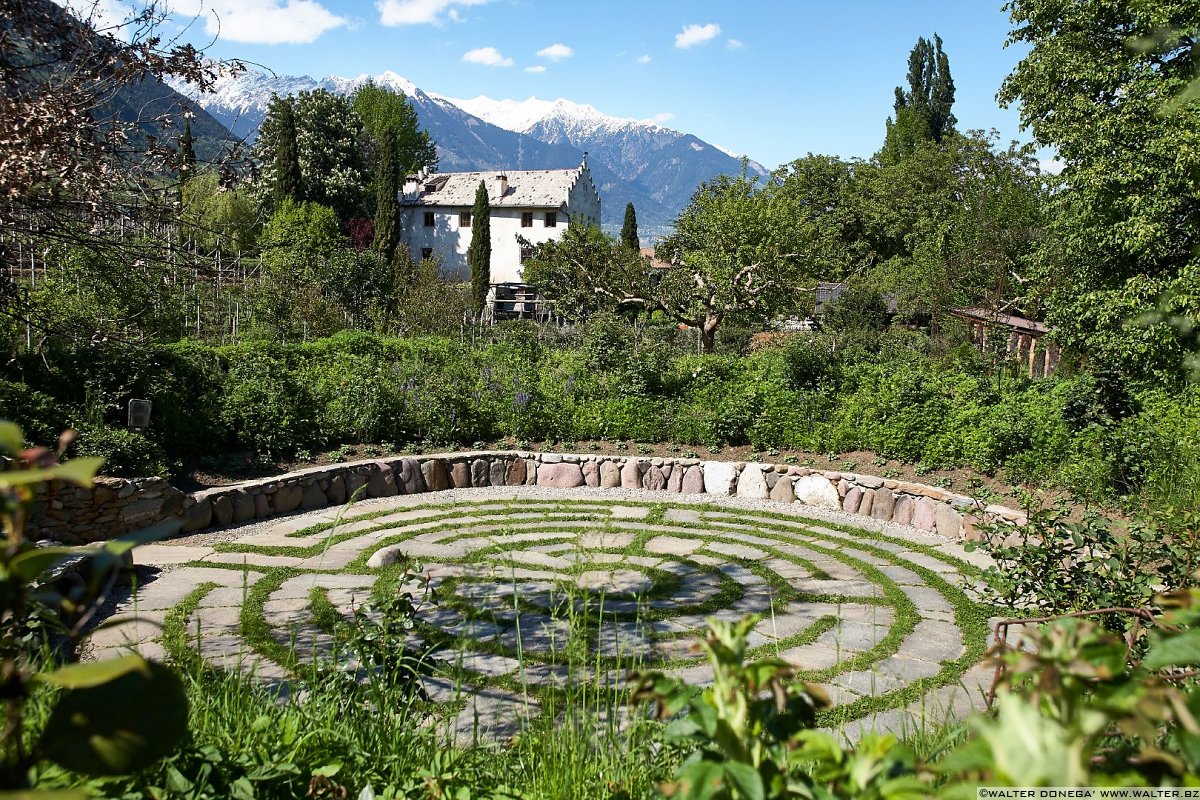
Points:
(538, 590)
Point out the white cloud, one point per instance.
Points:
(536, 68)
(556, 52)
(735, 44)
(696, 34)
(665, 116)
(421, 12)
(644, 59)
(487, 56)
(261, 21)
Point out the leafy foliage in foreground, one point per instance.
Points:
(1071, 710)
(106, 717)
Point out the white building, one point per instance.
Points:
(435, 214)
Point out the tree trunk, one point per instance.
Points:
(708, 332)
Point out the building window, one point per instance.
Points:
(526, 254)
(426, 253)
(464, 219)
(428, 219)
(551, 219)
(526, 219)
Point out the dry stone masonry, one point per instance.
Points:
(115, 507)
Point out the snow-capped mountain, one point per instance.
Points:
(654, 167)
(663, 164)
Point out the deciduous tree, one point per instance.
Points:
(388, 117)
(727, 258)
(923, 110)
(329, 166)
(85, 140)
(1104, 84)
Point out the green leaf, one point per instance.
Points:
(28, 565)
(78, 470)
(241, 789)
(93, 673)
(12, 441)
(699, 780)
(704, 716)
(746, 779)
(120, 726)
(328, 770)
(40, 794)
(1175, 651)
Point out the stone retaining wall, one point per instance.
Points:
(117, 506)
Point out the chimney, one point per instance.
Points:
(501, 185)
(411, 182)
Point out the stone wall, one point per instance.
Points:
(71, 514)
(116, 506)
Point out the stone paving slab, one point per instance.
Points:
(527, 575)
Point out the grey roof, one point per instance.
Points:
(540, 188)
(1003, 320)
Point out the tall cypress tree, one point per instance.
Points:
(187, 161)
(629, 231)
(387, 209)
(187, 154)
(923, 110)
(479, 254)
(930, 87)
(287, 156)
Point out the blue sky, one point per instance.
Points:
(774, 79)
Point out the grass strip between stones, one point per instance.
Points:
(834, 540)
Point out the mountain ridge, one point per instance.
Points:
(639, 161)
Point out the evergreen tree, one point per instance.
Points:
(286, 167)
(187, 160)
(387, 210)
(923, 111)
(479, 255)
(629, 231)
(187, 153)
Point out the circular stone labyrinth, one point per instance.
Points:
(539, 590)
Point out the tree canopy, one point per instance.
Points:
(923, 110)
(388, 118)
(724, 259)
(1104, 85)
(329, 152)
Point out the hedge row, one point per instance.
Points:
(1082, 432)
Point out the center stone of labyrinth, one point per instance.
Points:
(536, 593)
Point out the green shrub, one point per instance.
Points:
(126, 454)
(185, 387)
(266, 406)
(810, 362)
(38, 414)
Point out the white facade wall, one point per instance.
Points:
(446, 241)
(449, 242)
